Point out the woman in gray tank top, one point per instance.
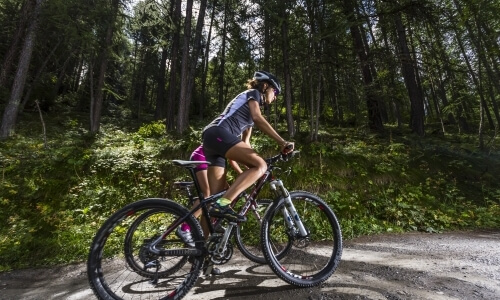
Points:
(221, 140)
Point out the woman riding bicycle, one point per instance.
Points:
(221, 140)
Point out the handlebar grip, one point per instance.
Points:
(287, 156)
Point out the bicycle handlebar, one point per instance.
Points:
(280, 156)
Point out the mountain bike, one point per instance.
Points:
(136, 253)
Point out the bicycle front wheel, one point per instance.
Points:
(314, 256)
(123, 265)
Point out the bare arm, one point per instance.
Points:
(245, 136)
(235, 166)
(263, 125)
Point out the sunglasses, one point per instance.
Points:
(276, 93)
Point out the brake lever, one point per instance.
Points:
(284, 154)
(286, 157)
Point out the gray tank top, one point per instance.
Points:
(236, 117)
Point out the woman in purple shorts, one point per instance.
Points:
(201, 172)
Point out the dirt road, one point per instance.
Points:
(455, 265)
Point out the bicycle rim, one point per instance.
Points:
(247, 234)
(120, 265)
(311, 260)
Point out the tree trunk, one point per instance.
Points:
(183, 109)
(40, 70)
(174, 57)
(481, 111)
(372, 103)
(268, 25)
(382, 107)
(10, 114)
(483, 106)
(75, 85)
(222, 58)
(288, 77)
(96, 111)
(488, 54)
(409, 70)
(396, 110)
(205, 63)
(319, 100)
(8, 61)
(312, 121)
(160, 91)
(195, 54)
(59, 87)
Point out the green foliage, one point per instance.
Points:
(377, 184)
(53, 200)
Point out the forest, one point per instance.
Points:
(394, 105)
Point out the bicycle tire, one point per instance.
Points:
(109, 273)
(247, 234)
(313, 260)
(136, 252)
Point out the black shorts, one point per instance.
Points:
(216, 142)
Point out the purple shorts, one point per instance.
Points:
(199, 155)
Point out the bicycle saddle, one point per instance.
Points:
(189, 163)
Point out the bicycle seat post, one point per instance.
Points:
(191, 166)
(196, 183)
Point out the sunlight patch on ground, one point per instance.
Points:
(272, 283)
(86, 294)
(372, 295)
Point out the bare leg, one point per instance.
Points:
(218, 182)
(203, 181)
(242, 153)
(202, 178)
(216, 179)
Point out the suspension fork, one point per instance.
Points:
(290, 214)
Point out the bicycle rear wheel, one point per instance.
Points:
(121, 264)
(313, 258)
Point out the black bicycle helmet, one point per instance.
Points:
(266, 76)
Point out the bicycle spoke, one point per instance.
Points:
(248, 237)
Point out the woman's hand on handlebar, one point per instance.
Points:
(287, 147)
